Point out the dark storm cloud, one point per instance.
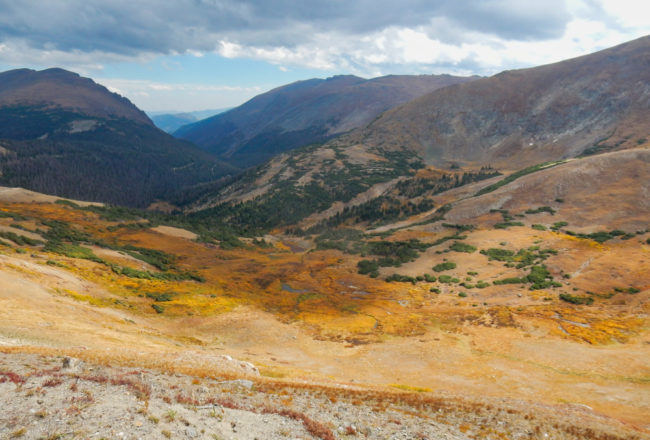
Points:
(131, 27)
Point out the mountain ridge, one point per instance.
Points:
(66, 135)
(517, 119)
(56, 87)
(529, 115)
(304, 112)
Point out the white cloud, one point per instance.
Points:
(362, 37)
(151, 95)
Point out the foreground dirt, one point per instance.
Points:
(46, 397)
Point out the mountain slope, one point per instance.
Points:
(303, 113)
(597, 102)
(60, 88)
(172, 121)
(66, 135)
(588, 105)
(169, 123)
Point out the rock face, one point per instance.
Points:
(303, 113)
(598, 102)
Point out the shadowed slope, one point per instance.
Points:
(304, 112)
(66, 135)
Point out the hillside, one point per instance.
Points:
(304, 113)
(521, 293)
(66, 135)
(172, 121)
(58, 88)
(580, 107)
(169, 123)
(594, 103)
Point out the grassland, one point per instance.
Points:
(532, 311)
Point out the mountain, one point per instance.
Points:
(514, 120)
(58, 88)
(171, 121)
(66, 135)
(303, 113)
(594, 103)
(432, 277)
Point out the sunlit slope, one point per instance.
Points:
(517, 118)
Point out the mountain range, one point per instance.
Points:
(588, 105)
(303, 113)
(594, 103)
(169, 122)
(472, 263)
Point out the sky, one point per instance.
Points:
(185, 55)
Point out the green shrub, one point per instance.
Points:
(515, 176)
(541, 209)
(158, 308)
(447, 279)
(506, 225)
(161, 297)
(462, 247)
(367, 266)
(460, 228)
(539, 227)
(498, 254)
(511, 280)
(482, 285)
(71, 251)
(462, 294)
(558, 225)
(400, 278)
(447, 265)
(20, 240)
(576, 299)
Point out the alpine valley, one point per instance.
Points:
(405, 257)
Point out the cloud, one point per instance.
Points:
(128, 27)
(357, 36)
(152, 95)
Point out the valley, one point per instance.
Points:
(121, 289)
(401, 257)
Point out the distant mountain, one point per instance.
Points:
(594, 103)
(514, 121)
(170, 122)
(58, 88)
(66, 135)
(303, 113)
